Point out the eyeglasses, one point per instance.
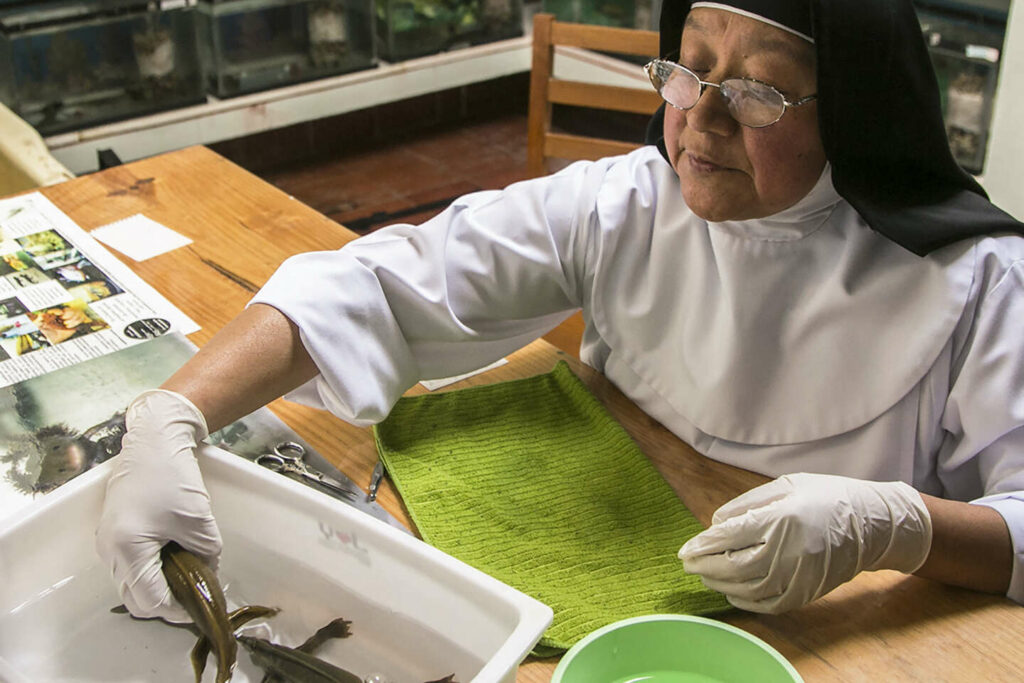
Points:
(752, 103)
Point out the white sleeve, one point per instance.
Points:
(487, 276)
(985, 410)
(1011, 507)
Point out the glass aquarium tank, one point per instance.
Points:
(67, 65)
(414, 28)
(641, 14)
(250, 45)
(965, 40)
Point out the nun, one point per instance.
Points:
(795, 277)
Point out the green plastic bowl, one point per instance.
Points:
(672, 648)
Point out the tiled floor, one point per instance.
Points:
(413, 180)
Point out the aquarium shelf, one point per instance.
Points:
(224, 119)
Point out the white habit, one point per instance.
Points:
(803, 342)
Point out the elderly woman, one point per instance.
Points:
(809, 288)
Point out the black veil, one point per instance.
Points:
(880, 119)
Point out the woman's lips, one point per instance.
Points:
(702, 165)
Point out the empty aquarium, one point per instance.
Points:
(251, 45)
(71, 65)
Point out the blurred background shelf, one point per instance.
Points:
(70, 64)
(223, 119)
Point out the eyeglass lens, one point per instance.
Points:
(750, 103)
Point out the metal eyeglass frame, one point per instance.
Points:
(786, 104)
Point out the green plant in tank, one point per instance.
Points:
(406, 15)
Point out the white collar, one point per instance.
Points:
(768, 341)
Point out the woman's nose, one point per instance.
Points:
(711, 113)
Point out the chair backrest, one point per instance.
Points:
(546, 90)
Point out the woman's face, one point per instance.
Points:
(732, 172)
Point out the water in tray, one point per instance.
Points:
(68, 633)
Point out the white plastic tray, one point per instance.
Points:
(417, 614)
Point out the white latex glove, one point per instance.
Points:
(790, 541)
(156, 494)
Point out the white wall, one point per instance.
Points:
(1004, 165)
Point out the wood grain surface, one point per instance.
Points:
(881, 626)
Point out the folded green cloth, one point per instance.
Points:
(534, 483)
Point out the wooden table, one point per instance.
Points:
(881, 626)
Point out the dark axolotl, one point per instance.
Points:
(196, 587)
(299, 665)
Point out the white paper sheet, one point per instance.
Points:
(139, 237)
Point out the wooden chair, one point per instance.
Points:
(546, 90)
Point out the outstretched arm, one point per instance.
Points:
(251, 361)
(156, 492)
(467, 287)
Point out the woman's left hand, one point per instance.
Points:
(790, 541)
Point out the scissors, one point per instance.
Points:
(288, 458)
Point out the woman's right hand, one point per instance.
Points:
(156, 494)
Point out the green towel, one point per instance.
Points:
(534, 483)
